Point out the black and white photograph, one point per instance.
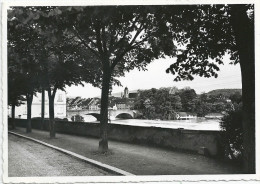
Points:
(129, 92)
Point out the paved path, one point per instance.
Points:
(137, 159)
(26, 158)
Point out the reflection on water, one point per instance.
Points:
(193, 124)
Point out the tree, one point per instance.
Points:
(60, 72)
(236, 97)
(42, 107)
(188, 97)
(15, 97)
(58, 65)
(232, 134)
(163, 104)
(210, 32)
(203, 106)
(121, 38)
(22, 63)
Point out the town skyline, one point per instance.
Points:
(156, 77)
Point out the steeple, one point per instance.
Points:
(126, 93)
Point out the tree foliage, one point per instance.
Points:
(77, 118)
(232, 135)
(52, 58)
(120, 38)
(165, 104)
(210, 32)
(23, 67)
(206, 36)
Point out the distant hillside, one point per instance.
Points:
(225, 92)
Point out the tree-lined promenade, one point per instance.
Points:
(52, 47)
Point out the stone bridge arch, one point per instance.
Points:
(96, 115)
(115, 113)
(124, 114)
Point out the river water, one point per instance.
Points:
(194, 124)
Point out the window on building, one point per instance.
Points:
(45, 99)
(25, 110)
(60, 110)
(60, 98)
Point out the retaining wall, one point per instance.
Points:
(189, 140)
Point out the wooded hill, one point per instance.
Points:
(225, 92)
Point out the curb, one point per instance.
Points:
(80, 157)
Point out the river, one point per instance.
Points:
(194, 124)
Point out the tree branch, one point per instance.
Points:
(54, 91)
(104, 45)
(120, 57)
(98, 37)
(127, 32)
(129, 48)
(78, 35)
(86, 45)
(112, 41)
(137, 34)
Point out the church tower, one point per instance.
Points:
(126, 93)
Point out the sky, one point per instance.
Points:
(229, 77)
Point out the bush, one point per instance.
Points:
(77, 118)
(232, 135)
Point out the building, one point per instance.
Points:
(59, 106)
(214, 116)
(85, 103)
(78, 103)
(126, 101)
(185, 115)
(94, 104)
(133, 94)
(126, 93)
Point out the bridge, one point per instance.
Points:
(96, 113)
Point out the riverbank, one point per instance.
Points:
(173, 124)
(192, 124)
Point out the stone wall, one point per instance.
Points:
(181, 139)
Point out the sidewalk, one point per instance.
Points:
(35, 160)
(137, 159)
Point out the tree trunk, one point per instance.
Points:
(244, 36)
(13, 116)
(51, 113)
(103, 143)
(29, 98)
(43, 108)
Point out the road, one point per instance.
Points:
(27, 158)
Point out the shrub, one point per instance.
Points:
(77, 118)
(232, 135)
